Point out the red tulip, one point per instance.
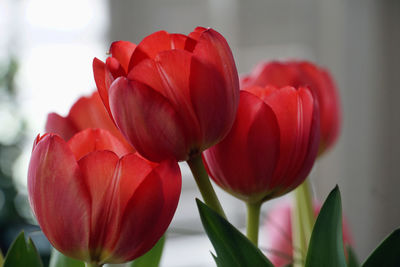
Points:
(87, 112)
(172, 96)
(97, 202)
(272, 145)
(303, 73)
(278, 231)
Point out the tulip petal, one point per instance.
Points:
(312, 121)
(150, 46)
(249, 153)
(147, 120)
(330, 111)
(129, 174)
(58, 196)
(98, 169)
(140, 219)
(182, 42)
(212, 48)
(295, 111)
(273, 73)
(91, 140)
(112, 184)
(103, 79)
(158, 42)
(169, 75)
(115, 67)
(60, 125)
(89, 112)
(196, 33)
(170, 177)
(130, 166)
(210, 97)
(122, 51)
(323, 86)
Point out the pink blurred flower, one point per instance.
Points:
(278, 229)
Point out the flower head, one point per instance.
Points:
(172, 95)
(272, 145)
(95, 201)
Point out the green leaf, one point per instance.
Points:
(60, 260)
(22, 253)
(387, 253)
(326, 243)
(152, 257)
(352, 260)
(1, 258)
(232, 247)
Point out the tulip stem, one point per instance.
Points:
(93, 264)
(203, 183)
(303, 220)
(253, 221)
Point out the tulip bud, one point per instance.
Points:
(271, 147)
(172, 96)
(97, 202)
(303, 73)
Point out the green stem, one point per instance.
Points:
(203, 183)
(87, 264)
(253, 221)
(302, 222)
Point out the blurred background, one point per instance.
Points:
(46, 53)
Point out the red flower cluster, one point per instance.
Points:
(171, 97)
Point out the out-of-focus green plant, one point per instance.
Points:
(11, 138)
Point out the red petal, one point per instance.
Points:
(244, 162)
(139, 220)
(182, 42)
(115, 67)
(213, 49)
(91, 140)
(169, 75)
(60, 125)
(196, 33)
(103, 79)
(59, 197)
(169, 175)
(150, 46)
(321, 83)
(330, 111)
(273, 73)
(158, 42)
(309, 102)
(212, 102)
(147, 120)
(295, 111)
(98, 172)
(89, 112)
(122, 51)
